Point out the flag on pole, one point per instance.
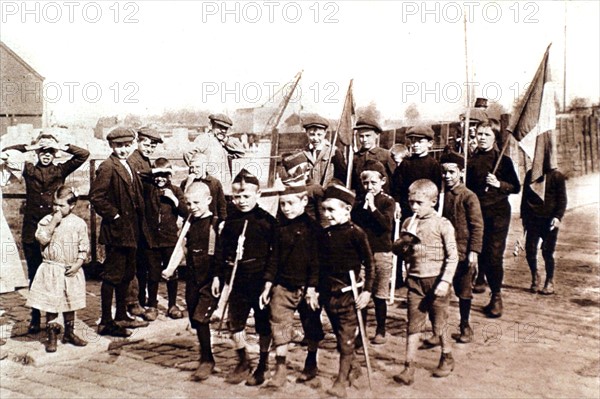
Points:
(346, 125)
(533, 124)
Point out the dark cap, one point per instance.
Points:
(246, 177)
(420, 131)
(376, 166)
(341, 193)
(150, 133)
(293, 185)
(120, 135)
(294, 160)
(453, 157)
(477, 115)
(368, 123)
(481, 102)
(314, 120)
(221, 119)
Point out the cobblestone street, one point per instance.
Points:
(541, 347)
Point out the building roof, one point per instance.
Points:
(21, 60)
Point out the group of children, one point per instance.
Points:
(273, 266)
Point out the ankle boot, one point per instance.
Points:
(339, 386)
(494, 309)
(535, 282)
(280, 376)
(548, 288)
(445, 367)
(69, 337)
(53, 330)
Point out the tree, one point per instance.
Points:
(495, 109)
(412, 114)
(370, 111)
(579, 102)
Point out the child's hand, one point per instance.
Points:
(554, 224)
(264, 298)
(214, 288)
(370, 201)
(312, 298)
(442, 289)
(167, 192)
(57, 217)
(473, 260)
(166, 274)
(492, 180)
(70, 271)
(363, 300)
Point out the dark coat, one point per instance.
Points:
(375, 154)
(41, 182)
(461, 208)
(113, 192)
(555, 198)
(161, 215)
(379, 224)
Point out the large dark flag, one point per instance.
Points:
(346, 124)
(533, 124)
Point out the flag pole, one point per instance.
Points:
(335, 136)
(468, 113)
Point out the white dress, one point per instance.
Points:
(52, 291)
(12, 270)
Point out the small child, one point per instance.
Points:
(374, 213)
(432, 260)
(461, 208)
(542, 220)
(164, 204)
(249, 278)
(199, 171)
(59, 283)
(344, 247)
(291, 278)
(202, 284)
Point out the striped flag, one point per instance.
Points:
(533, 124)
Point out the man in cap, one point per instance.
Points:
(41, 181)
(368, 131)
(477, 116)
(147, 141)
(219, 147)
(318, 151)
(420, 165)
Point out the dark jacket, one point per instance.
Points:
(411, 170)
(375, 154)
(201, 242)
(378, 224)
(294, 262)
(113, 192)
(461, 208)
(555, 198)
(41, 182)
(494, 199)
(141, 164)
(257, 246)
(344, 247)
(161, 215)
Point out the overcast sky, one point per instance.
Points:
(222, 56)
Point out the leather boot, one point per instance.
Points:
(407, 376)
(535, 282)
(69, 337)
(494, 309)
(445, 366)
(339, 386)
(310, 370)
(280, 376)
(548, 288)
(466, 334)
(53, 330)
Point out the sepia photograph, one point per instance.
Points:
(310, 199)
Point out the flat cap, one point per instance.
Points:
(150, 133)
(246, 177)
(314, 120)
(294, 160)
(420, 131)
(368, 123)
(477, 115)
(221, 119)
(341, 193)
(453, 157)
(121, 135)
(373, 165)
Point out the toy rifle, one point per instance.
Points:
(239, 253)
(361, 325)
(394, 256)
(177, 254)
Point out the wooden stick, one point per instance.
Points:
(394, 256)
(361, 326)
(177, 254)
